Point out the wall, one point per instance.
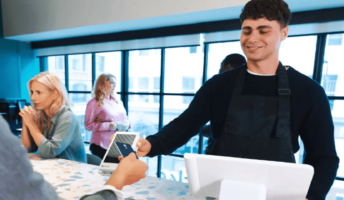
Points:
(38, 20)
(1, 27)
(34, 16)
(18, 64)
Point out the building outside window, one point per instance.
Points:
(188, 87)
(59, 63)
(79, 97)
(78, 62)
(100, 64)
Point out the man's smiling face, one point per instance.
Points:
(260, 39)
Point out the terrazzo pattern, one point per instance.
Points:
(72, 180)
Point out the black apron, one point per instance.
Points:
(258, 127)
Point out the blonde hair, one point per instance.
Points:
(99, 88)
(53, 83)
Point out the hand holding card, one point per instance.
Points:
(125, 149)
(122, 144)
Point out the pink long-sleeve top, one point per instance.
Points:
(98, 119)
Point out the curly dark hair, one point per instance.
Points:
(270, 9)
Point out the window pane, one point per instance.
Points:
(333, 68)
(300, 154)
(144, 118)
(299, 53)
(338, 120)
(180, 64)
(335, 39)
(205, 135)
(143, 83)
(217, 52)
(173, 168)
(56, 64)
(337, 191)
(144, 67)
(173, 107)
(80, 71)
(156, 84)
(111, 63)
(205, 144)
(79, 103)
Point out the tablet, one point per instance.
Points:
(122, 144)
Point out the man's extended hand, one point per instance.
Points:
(130, 170)
(144, 146)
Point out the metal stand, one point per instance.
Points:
(234, 190)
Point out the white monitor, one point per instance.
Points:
(238, 178)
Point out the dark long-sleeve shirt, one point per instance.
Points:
(310, 119)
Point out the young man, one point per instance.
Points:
(259, 110)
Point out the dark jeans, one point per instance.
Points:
(97, 150)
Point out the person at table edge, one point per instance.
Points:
(20, 182)
(260, 109)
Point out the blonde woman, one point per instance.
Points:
(49, 125)
(103, 113)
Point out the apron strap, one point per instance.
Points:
(283, 116)
(239, 83)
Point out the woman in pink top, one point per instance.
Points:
(103, 112)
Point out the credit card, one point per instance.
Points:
(125, 149)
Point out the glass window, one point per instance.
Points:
(144, 69)
(131, 83)
(143, 83)
(144, 52)
(300, 154)
(100, 63)
(333, 69)
(193, 49)
(188, 87)
(79, 108)
(299, 53)
(173, 107)
(110, 62)
(56, 64)
(77, 62)
(156, 84)
(335, 39)
(78, 97)
(329, 82)
(188, 84)
(144, 118)
(179, 64)
(338, 120)
(337, 191)
(80, 71)
(204, 144)
(143, 98)
(217, 52)
(173, 168)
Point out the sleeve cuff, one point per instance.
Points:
(121, 195)
(105, 126)
(155, 146)
(42, 150)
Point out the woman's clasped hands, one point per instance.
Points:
(28, 115)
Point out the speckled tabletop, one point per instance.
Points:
(72, 180)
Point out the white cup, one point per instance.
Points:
(121, 126)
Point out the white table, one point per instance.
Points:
(72, 180)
